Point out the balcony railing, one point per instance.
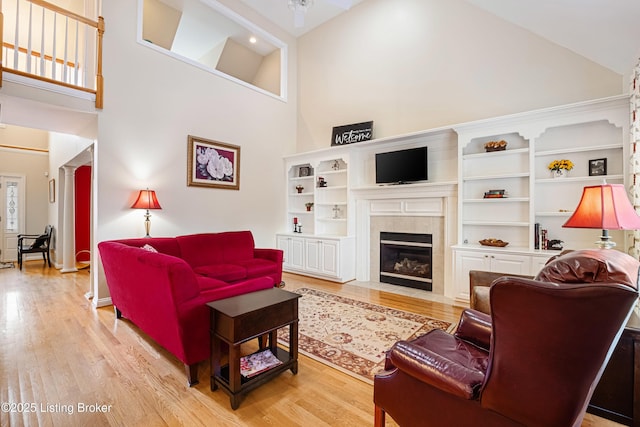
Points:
(53, 45)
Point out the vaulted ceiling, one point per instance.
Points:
(605, 31)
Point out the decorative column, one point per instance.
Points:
(68, 221)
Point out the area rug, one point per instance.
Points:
(350, 335)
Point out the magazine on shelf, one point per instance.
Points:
(256, 363)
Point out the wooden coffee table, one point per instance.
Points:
(244, 317)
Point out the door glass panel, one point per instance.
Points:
(12, 223)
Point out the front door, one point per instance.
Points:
(12, 215)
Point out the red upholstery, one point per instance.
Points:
(230, 256)
(548, 344)
(162, 294)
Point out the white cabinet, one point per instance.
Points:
(537, 262)
(293, 249)
(495, 260)
(328, 258)
(322, 257)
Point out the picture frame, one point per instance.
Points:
(52, 190)
(212, 164)
(597, 167)
(304, 171)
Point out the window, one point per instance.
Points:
(208, 35)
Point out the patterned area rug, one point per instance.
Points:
(351, 335)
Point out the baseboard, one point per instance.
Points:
(102, 302)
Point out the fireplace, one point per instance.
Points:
(405, 259)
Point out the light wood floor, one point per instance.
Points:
(65, 360)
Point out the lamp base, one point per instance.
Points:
(147, 223)
(605, 241)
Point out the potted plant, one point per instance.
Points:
(560, 168)
(309, 205)
(299, 188)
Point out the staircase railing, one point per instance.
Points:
(53, 45)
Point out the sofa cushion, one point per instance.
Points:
(237, 245)
(258, 267)
(201, 249)
(226, 272)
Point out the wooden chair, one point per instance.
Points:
(40, 244)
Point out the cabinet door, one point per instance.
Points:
(513, 264)
(283, 243)
(330, 258)
(296, 253)
(465, 262)
(312, 251)
(537, 262)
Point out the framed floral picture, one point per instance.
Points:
(213, 164)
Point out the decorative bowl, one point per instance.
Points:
(495, 145)
(493, 242)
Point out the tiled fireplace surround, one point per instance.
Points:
(411, 208)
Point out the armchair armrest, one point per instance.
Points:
(475, 327)
(435, 370)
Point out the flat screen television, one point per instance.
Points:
(402, 166)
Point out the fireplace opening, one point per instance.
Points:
(405, 259)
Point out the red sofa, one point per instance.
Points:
(162, 284)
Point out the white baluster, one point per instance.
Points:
(75, 65)
(29, 38)
(55, 42)
(16, 40)
(43, 65)
(66, 41)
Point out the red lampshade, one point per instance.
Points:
(146, 200)
(604, 206)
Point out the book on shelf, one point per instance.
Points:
(257, 363)
(495, 194)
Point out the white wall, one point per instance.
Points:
(410, 65)
(33, 165)
(152, 102)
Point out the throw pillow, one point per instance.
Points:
(149, 248)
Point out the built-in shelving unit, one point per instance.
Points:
(461, 171)
(581, 133)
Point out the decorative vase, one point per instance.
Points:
(560, 173)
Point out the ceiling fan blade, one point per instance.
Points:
(344, 4)
(298, 18)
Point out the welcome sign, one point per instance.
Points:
(350, 134)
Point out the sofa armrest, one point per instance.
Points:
(435, 370)
(239, 288)
(475, 327)
(275, 255)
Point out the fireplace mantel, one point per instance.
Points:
(407, 207)
(406, 191)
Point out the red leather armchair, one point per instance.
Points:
(534, 361)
